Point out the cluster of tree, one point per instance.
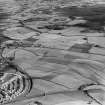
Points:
(94, 15)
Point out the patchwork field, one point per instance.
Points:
(52, 52)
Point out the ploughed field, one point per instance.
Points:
(52, 54)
